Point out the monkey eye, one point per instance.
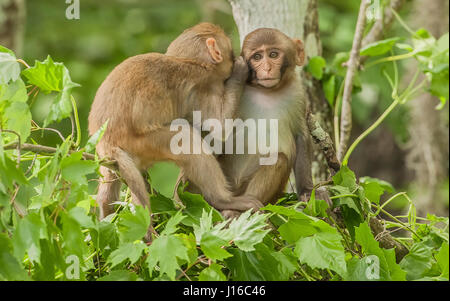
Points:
(257, 57)
(273, 54)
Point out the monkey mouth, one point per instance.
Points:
(268, 82)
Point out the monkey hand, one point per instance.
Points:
(230, 214)
(240, 70)
(240, 203)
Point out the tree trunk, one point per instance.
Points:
(428, 145)
(12, 24)
(297, 19)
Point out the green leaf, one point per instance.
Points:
(262, 264)
(345, 177)
(212, 246)
(294, 229)
(358, 269)
(6, 50)
(74, 169)
(379, 47)
(195, 204)
(94, 139)
(247, 230)
(323, 250)
(130, 251)
(389, 269)
(10, 173)
(417, 262)
(10, 268)
(329, 88)
(352, 219)
(133, 226)
(9, 67)
(316, 207)
(18, 119)
(212, 273)
(162, 204)
(171, 226)
(73, 238)
(442, 259)
(26, 237)
(315, 66)
(338, 61)
(53, 77)
(165, 250)
(191, 245)
(79, 214)
(47, 75)
(14, 91)
(104, 235)
(288, 212)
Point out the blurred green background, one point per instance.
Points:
(109, 31)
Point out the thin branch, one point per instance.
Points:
(42, 149)
(386, 240)
(380, 26)
(324, 141)
(353, 63)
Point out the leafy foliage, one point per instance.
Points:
(47, 216)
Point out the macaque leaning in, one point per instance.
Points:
(274, 91)
(145, 93)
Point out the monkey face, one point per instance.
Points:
(271, 56)
(267, 68)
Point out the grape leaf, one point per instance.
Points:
(133, 226)
(315, 66)
(212, 246)
(130, 251)
(262, 264)
(165, 250)
(442, 259)
(323, 250)
(74, 169)
(9, 67)
(53, 77)
(379, 47)
(10, 268)
(212, 273)
(29, 230)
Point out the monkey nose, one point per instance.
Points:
(267, 68)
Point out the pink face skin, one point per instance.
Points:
(266, 63)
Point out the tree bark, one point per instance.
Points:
(12, 24)
(429, 143)
(297, 19)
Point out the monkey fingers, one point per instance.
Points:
(241, 203)
(230, 214)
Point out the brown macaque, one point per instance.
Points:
(145, 93)
(274, 91)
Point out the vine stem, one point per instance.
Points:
(369, 130)
(23, 63)
(77, 121)
(398, 221)
(392, 58)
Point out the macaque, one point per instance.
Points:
(274, 91)
(145, 93)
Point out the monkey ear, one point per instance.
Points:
(300, 49)
(214, 50)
